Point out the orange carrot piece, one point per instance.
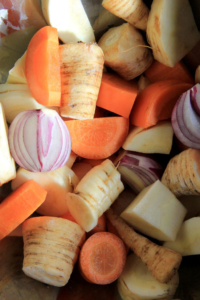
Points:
(42, 67)
(102, 258)
(19, 205)
(156, 102)
(100, 227)
(97, 138)
(159, 72)
(117, 95)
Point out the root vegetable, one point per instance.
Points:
(125, 51)
(161, 262)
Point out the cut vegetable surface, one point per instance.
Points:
(156, 102)
(97, 138)
(102, 258)
(42, 67)
(117, 95)
(19, 205)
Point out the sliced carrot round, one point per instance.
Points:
(102, 258)
(42, 67)
(97, 138)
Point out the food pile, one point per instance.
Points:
(87, 117)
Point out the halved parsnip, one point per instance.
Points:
(156, 212)
(188, 238)
(81, 73)
(134, 12)
(17, 73)
(51, 248)
(70, 19)
(150, 140)
(57, 183)
(7, 163)
(171, 30)
(137, 282)
(125, 51)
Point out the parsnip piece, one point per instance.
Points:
(161, 262)
(197, 75)
(7, 163)
(150, 140)
(104, 21)
(182, 174)
(125, 51)
(70, 19)
(81, 73)
(57, 183)
(134, 12)
(94, 194)
(137, 282)
(171, 30)
(188, 238)
(17, 73)
(156, 212)
(51, 248)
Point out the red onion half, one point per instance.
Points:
(186, 118)
(138, 170)
(39, 140)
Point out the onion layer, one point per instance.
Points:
(39, 140)
(186, 118)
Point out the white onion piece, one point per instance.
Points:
(185, 118)
(142, 165)
(39, 140)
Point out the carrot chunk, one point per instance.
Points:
(159, 72)
(156, 102)
(19, 205)
(102, 258)
(98, 138)
(42, 67)
(117, 95)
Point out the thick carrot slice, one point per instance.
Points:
(42, 67)
(156, 102)
(19, 205)
(159, 72)
(98, 138)
(102, 258)
(117, 95)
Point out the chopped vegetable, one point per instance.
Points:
(70, 19)
(156, 102)
(98, 138)
(81, 71)
(19, 205)
(117, 95)
(94, 194)
(125, 51)
(42, 68)
(102, 258)
(188, 238)
(134, 12)
(171, 35)
(161, 262)
(150, 140)
(51, 248)
(159, 72)
(137, 281)
(156, 212)
(39, 140)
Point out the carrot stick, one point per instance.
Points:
(19, 205)
(159, 72)
(117, 95)
(156, 102)
(97, 138)
(161, 262)
(42, 67)
(102, 258)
